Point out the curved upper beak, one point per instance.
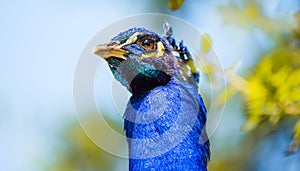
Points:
(111, 49)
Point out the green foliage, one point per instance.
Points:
(250, 15)
(78, 153)
(296, 139)
(206, 43)
(175, 4)
(272, 91)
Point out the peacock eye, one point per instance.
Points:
(148, 44)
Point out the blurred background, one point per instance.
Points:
(258, 42)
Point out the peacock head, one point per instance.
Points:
(142, 60)
(139, 59)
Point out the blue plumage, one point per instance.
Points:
(146, 117)
(165, 117)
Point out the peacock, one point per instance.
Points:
(165, 117)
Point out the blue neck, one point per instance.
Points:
(164, 127)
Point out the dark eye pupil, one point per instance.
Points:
(146, 42)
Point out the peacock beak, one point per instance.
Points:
(111, 49)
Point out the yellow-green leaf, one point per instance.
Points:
(206, 43)
(252, 122)
(296, 139)
(225, 95)
(175, 4)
